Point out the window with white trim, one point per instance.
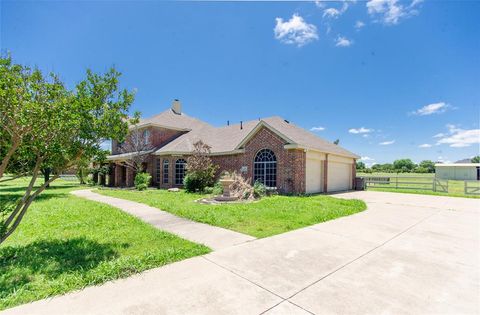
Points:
(180, 166)
(265, 168)
(165, 171)
(157, 171)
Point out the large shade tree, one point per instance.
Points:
(45, 125)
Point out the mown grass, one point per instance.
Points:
(66, 243)
(269, 216)
(455, 187)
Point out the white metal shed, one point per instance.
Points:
(458, 171)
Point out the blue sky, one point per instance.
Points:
(390, 79)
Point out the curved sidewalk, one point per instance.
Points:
(214, 237)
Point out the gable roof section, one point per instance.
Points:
(171, 120)
(231, 139)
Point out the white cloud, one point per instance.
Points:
(387, 142)
(319, 128)
(295, 31)
(391, 12)
(459, 138)
(343, 42)
(425, 145)
(435, 108)
(335, 13)
(321, 3)
(331, 13)
(359, 25)
(360, 130)
(366, 159)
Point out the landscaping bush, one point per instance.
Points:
(200, 169)
(216, 190)
(142, 180)
(259, 189)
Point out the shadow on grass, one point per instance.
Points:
(21, 189)
(50, 260)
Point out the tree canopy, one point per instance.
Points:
(46, 125)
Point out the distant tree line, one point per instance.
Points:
(403, 166)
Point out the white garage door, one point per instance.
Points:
(314, 176)
(339, 176)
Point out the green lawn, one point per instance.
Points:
(455, 187)
(66, 243)
(269, 216)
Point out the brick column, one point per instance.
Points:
(118, 175)
(130, 177)
(111, 175)
(325, 174)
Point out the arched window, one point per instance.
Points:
(165, 171)
(180, 171)
(265, 168)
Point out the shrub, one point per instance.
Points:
(142, 180)
(193, 182)
(200, 169)
(259, 190)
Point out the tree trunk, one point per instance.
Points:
(46, 176)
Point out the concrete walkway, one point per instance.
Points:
(211, 236)
(406, 254)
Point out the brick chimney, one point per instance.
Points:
(177, 107)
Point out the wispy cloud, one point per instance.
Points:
(359, 25)
(425, 145)
(295, 31)
(319, 128)
(459, 138)
(343, 42)
(366, 159)
(360, 130)
(390, 12)
(435, 108)
(334, 12)
(387, 142)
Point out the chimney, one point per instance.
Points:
(177, 107)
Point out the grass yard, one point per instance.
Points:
(455, 187)
(269, 216)
(66, 243)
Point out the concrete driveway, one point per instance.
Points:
(406, 254)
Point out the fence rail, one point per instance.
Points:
(472, 187)
(406, 182)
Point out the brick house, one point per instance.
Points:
(271, 150)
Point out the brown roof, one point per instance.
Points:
(229, 138)
(177, 121)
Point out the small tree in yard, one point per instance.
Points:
(200, 169)
(46, 125)
(138, 145)
(475, 159)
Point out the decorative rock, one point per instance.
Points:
(173, 189)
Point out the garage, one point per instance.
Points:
(314, 174)
(339, 176)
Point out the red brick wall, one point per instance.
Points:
(158, 137)
(290, 163)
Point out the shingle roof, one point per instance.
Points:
(170, 119)
(228, 138)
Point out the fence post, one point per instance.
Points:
(396, 182)
(434, 184)
(465, 187)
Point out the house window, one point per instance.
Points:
(265, 168)
(157, 171)
(146, 136)
(165, 171)
(180, 171)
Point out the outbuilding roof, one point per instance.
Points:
(458, 164)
